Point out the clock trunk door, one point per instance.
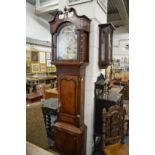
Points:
(68, 88)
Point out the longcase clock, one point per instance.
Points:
(70, 54)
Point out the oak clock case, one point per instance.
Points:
(70, 54)
(105, 44)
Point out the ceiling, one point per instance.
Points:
(33, 2)
(118, 11)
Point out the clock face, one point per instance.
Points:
(67, 43)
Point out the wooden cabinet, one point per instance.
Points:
(105, 44)
(70, 54)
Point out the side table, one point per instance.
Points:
(49, 108)
(34, 97)
(51, 93)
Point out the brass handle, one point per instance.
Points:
(59, 105)
(78, 116)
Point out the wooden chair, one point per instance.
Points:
(126, 125)
(125, 91)
(113, 131)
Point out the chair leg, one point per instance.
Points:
(122, 140)
(127, 134)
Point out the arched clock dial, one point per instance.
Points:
(67, 43)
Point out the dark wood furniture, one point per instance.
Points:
(34, 97)
(70, 140)
(113, 125)
(105, 44)
(123, 88)
(113, 131)
(31, 82)
(70, 54)
(103, 100)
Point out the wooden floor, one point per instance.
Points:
(117, 149)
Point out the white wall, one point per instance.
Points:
(90, 9)
(37, 47)
(120, 36)
(37, 27)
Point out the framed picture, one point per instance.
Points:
(49, 69)
(48, 55)
(28, 55)
(53, 68)
(34, 56)
(28, 68)
(72, 2)
(35, 68)
(103, 4)
(43, 68)
(42, 57)
(48, 62)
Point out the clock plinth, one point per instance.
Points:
(69, 139)
(70, 55)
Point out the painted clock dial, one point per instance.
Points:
(67, 43)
